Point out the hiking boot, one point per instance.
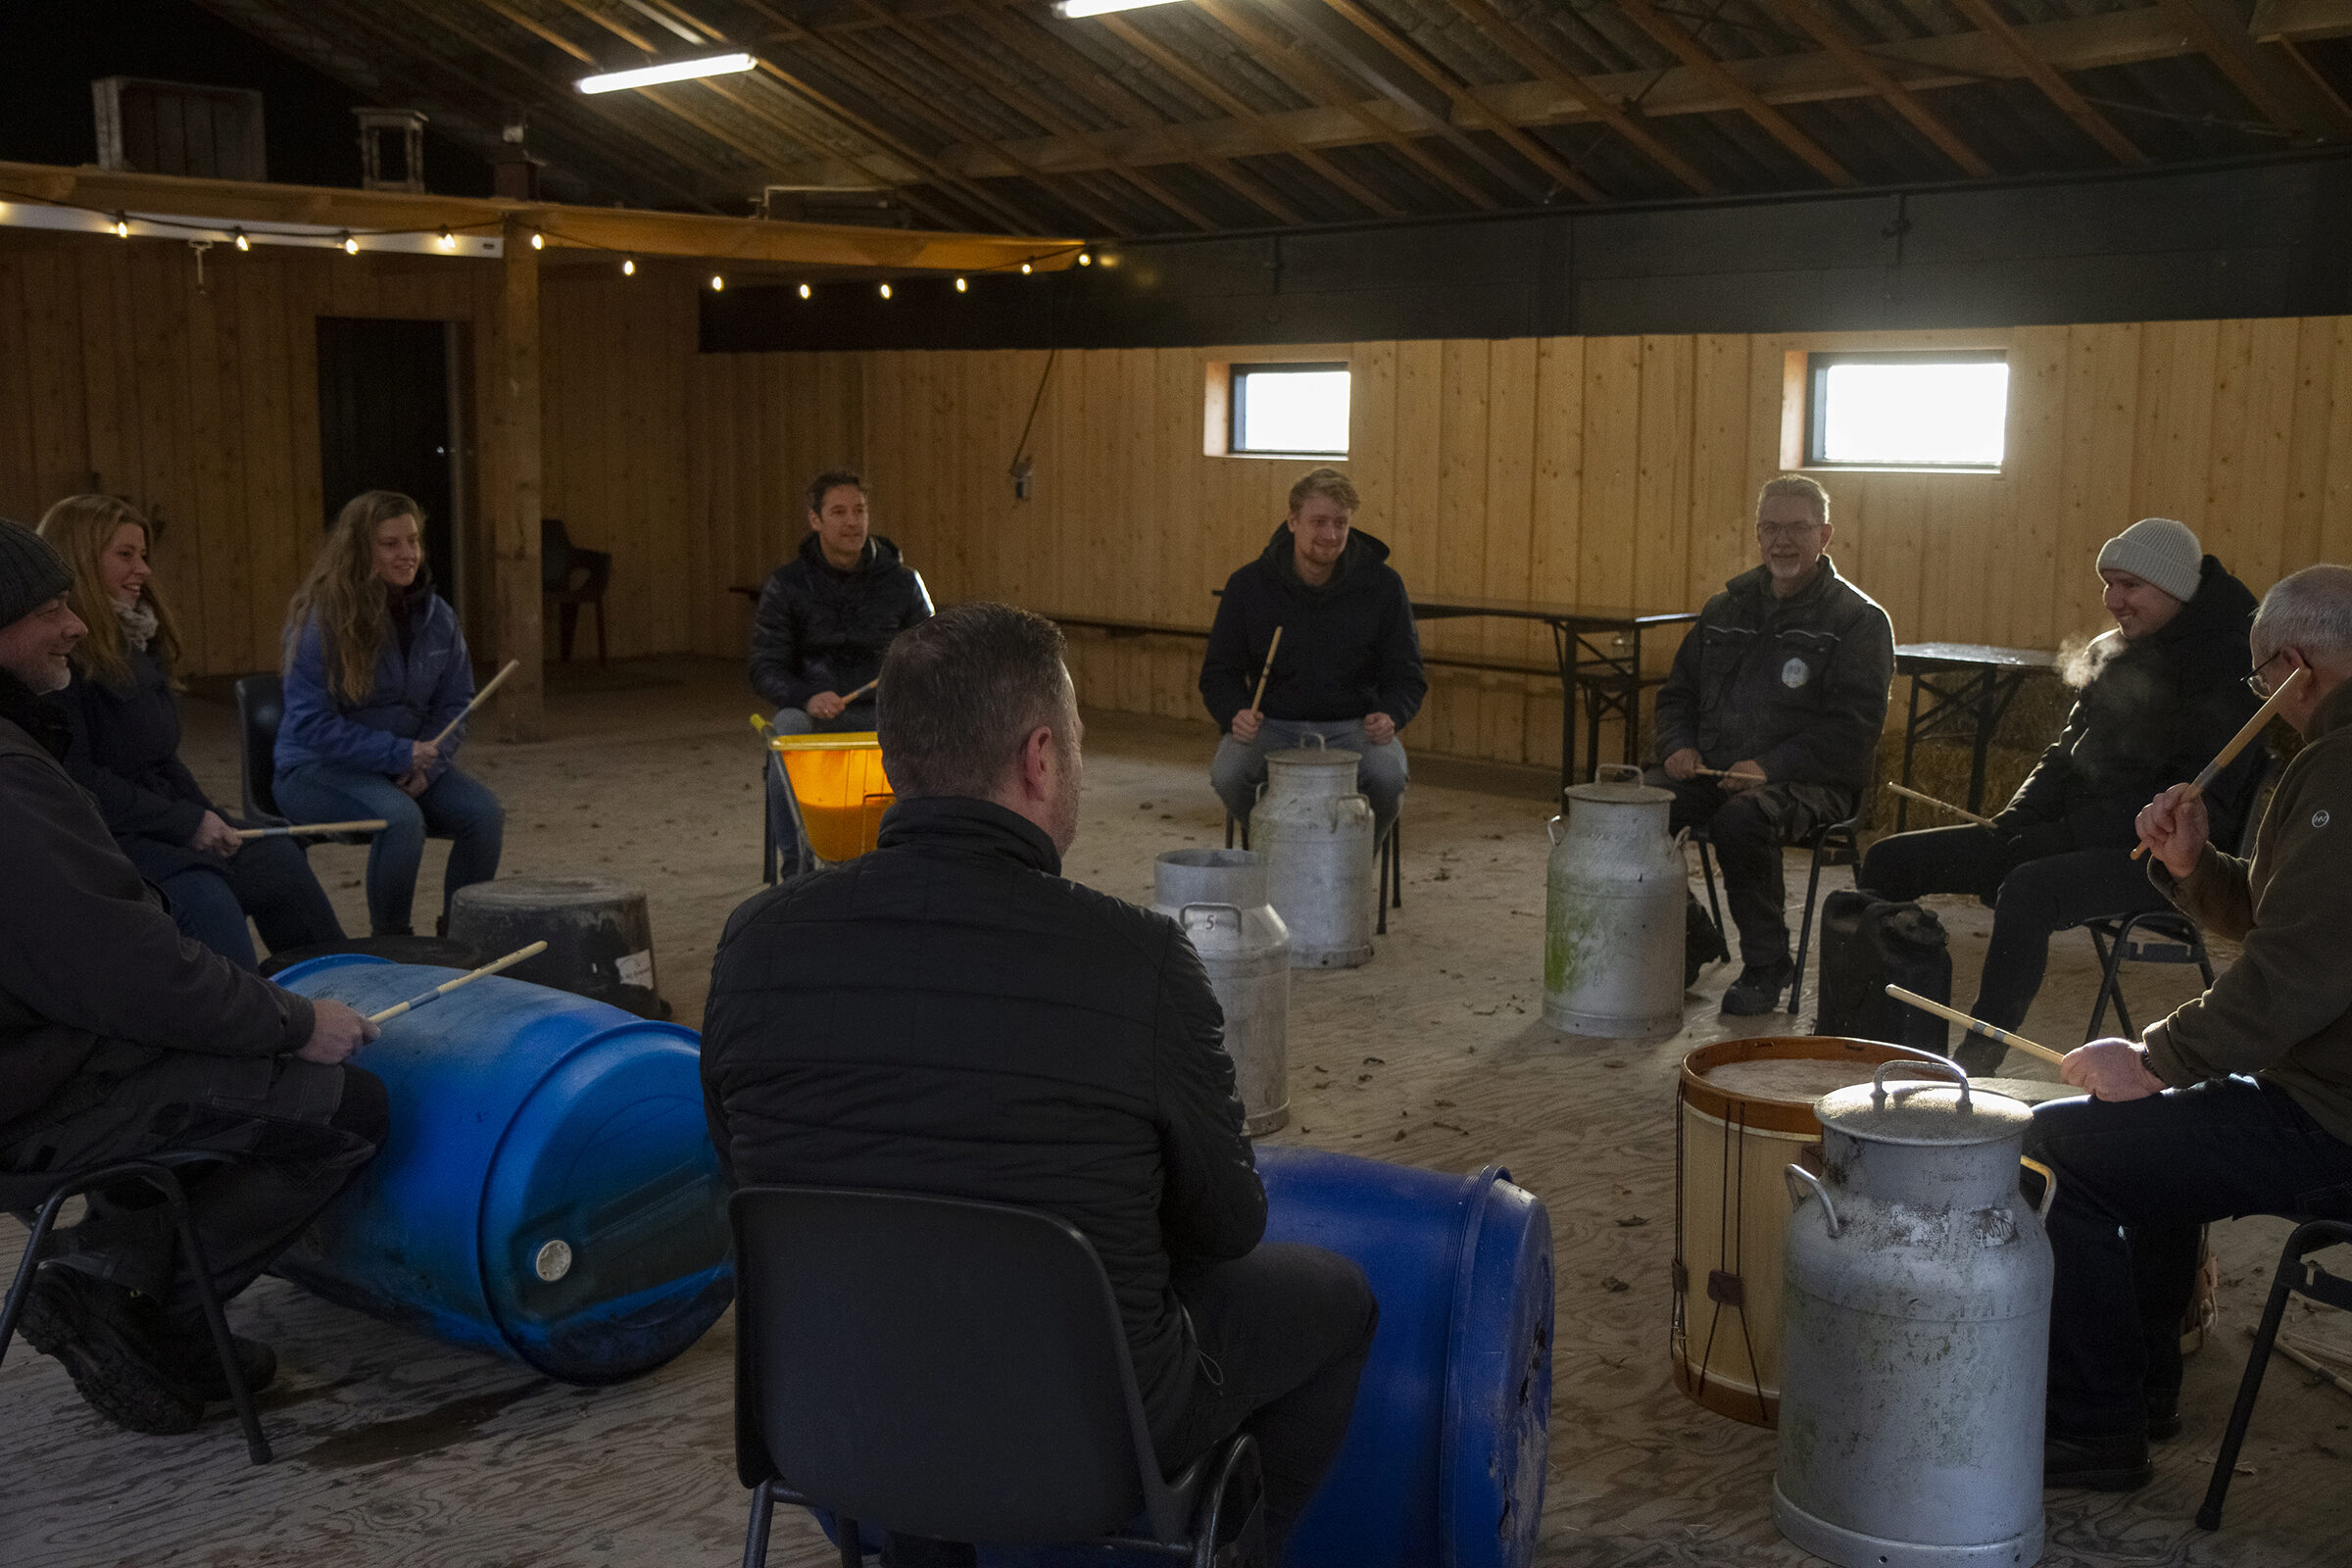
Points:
(107, 1342)
(1758, 989)
(2118, 1463)
(198, 1364)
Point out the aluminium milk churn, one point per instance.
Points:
(1219, 898)
(1613, 912)
(1314, 828)
(1915, 1331)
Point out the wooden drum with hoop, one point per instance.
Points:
(1743, 1111)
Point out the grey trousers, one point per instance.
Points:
(1240, 766)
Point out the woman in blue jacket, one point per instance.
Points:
(124, 713)
(374, 666)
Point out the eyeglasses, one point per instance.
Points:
(1785, 530)
(2258, 683)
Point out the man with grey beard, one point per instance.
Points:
(2161, 693)
(948, 1015)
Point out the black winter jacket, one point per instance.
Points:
(126, 752)
(1349, 648)
(1799, 685)
(946, 1014)
(822, 629)
(2154, 713)
(92, 967)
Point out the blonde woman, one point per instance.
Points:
(123, 705)
(374, 666)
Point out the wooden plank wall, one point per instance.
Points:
(1604, 470)
(117, 373)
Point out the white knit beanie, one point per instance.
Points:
(2160, 551)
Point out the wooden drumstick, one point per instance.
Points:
(446, 987)
(479, 698)
(1721, 772)
(2238, 741)
(2030, 1049)
(373, 824)
(1266, 672)
(861, 691)
(1942, 805)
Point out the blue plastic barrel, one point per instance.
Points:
(548, 1191)
(1446, 1456)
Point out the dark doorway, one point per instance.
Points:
(388, 421)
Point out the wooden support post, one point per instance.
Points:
(511, 487)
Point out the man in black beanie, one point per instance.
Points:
(121, 1039)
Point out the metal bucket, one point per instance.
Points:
(1219, 898)
(1613, 923)
(548, 1191)
(1916, 1324)
(1314, 828)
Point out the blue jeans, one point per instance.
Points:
(1240, 766)
(453, 807)
(2136, 1179)
(269, 879)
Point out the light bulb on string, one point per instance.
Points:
(243, 243)
(448, 241)
(1085, 259)
(718, 281)
(122, 226)
(804, 291)
(351, 246)
(960, 286)
(628, 267)
(538, 242)
(1024, 269)
(885, 291)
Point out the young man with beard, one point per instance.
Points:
(948, 1015)
(2165, 693)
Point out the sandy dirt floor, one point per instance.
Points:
(397, 1450)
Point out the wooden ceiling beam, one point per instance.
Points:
(1538, 62)
(613, 228)
(1466, 97)
(2272, 85)
(1678, 41)
(2055, 87)
(1901, 99)
(1276, 140)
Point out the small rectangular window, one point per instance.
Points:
(1291, 410)
(1934, 410)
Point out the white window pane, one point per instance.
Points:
(1915, 414)
(1294, 410)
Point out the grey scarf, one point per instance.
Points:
(138, 624)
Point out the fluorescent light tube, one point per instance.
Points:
(670, 70)
(1095, 8)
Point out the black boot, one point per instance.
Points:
(2114, 1463)
(198, 1364)
(1758, 989)
(106, 1338)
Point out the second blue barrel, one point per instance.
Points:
(548, 1190)
(1444, 1460)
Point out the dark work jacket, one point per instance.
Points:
(1349, 648)
(2154, 713)
(822, 629)
(948, 1016)
(1798, 685)
(126, 752)
(92, 972)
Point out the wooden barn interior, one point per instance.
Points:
(1580, 261)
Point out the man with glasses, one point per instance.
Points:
(2240, 1103)
(2160, 695)
(1769, 724)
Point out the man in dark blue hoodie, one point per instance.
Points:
(1349, 665)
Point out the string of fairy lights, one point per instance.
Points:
(203, 234)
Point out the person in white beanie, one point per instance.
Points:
(2161, 693)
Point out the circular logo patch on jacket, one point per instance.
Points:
(2318, 818)
(1794, 673)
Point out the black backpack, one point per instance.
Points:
(1868, 944)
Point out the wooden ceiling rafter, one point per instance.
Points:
(1325, 90)
(2054, 86)
(1826, 31)
(1680, 42)
(1277, 141)
(2262, 81)
(1530, 55)
(1465, 95)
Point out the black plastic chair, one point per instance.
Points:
(1840, 839)
(957, 1370)
(45, 1194)
(570, 576)
(261, 709)
(2297, 1275)
(1392, 865)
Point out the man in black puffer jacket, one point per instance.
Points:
(824, 620)
(2165, 691)
(946, 1014)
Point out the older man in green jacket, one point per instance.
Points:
(2240, 1103)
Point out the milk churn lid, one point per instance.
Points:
(1316, 757)
(1620, 785)
(1923, 1103)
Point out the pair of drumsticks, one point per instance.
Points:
(2197, 786)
